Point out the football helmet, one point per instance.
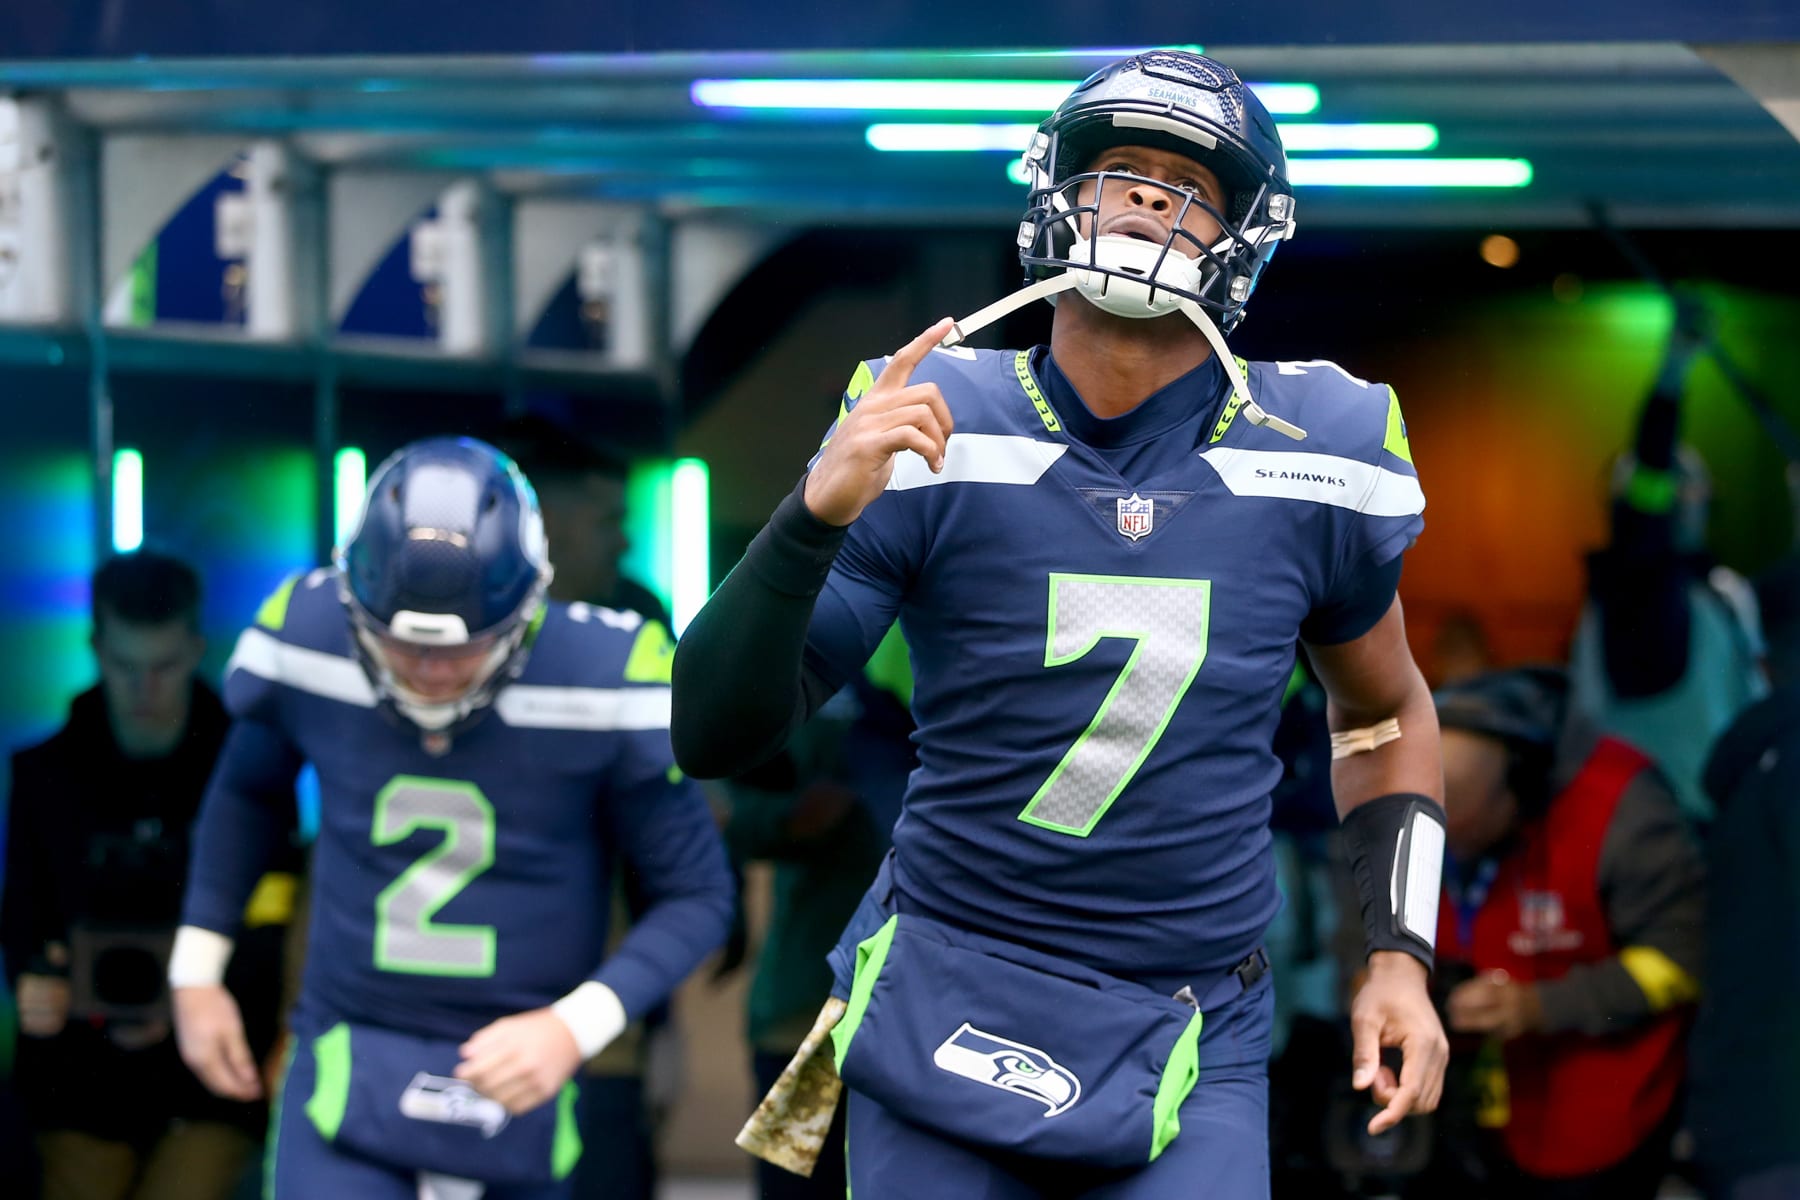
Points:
(443, 578)
(1171, 100)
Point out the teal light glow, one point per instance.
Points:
(1016, 171)
(1410, 172)
(349, 480)
(938, 95)
(690, 526)
(127, 500)
(1013, 138)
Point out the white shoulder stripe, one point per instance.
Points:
(979, 458)
(1319, 478)
(332, 676)
(531, 706)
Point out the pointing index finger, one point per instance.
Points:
(900, 367)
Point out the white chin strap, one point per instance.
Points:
(1130, 298)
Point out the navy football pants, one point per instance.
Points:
(304, 1166)
(1222, 1152)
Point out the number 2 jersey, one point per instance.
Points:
(449, 890)
(1103, 616)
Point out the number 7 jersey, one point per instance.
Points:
(1102, 628)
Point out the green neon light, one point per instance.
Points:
(1410, 172)
(939, 95)
(349, 479)
(1013, 138)
(690, 526)
(127, 500)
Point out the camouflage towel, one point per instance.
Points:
(789, 1127)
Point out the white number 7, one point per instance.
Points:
(1168, 618)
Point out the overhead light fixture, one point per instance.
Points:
(1013, 138)
(1410, 172)
(127, 500)
(1498, 250)
(939, 95)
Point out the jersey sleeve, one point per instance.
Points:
(665, 832)
(244, 823)
(1384, 520)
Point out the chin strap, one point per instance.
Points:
(1044, 288)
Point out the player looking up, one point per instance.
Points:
(1104, 555)
(484, 757)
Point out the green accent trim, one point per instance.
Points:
(537, 623)
(652, 657)
(673, 774)
(565, 1150)
(1296, 681)
(871, 956)
(485, 859)
(1022, 368)
(1651, 491)
(1231, 408)
(890, 667)
(1141, 637)
(1395, 442)
(1178, 1079)
(855, 390)
(331, 1081)
(272, 1143)
(273, 613)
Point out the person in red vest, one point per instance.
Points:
(1570, 939)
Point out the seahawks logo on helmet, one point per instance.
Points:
(446, 1100)
(1010, 1066)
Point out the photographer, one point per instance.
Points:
(97, 850)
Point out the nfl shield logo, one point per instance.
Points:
(1135, 516)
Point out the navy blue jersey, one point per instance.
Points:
(449, 890)
(1101, 657)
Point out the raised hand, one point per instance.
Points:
(895, 414)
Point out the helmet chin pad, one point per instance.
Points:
(1118, 274)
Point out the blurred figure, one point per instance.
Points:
(821, 812)
(1570, 942)
(632, 1084)
(581, 491)
(1460, 649)
(1744, 1107)
(486, 760)
(97, 852)
(1668, 650)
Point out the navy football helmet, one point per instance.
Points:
(448, 559)
(1172, 100)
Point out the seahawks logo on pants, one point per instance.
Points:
(450, 1101)
(1010, 1066)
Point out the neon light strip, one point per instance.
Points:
(691, 535)
(1299, 135)
(1410, 172)
(349, 480)
(939, 95)
(127, 500)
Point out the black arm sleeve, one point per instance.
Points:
(743, 682)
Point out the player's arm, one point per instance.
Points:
(244, 821)
(744, 680)
(661, 823)
(1389, 784)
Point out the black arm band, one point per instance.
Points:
(1396, 846)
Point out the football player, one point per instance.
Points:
(484, 756)
(1105, 555)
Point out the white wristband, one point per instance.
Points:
(198, 958)
(593, 1014)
